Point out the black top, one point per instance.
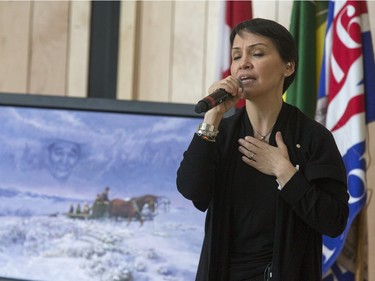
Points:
(312, 203)
(254, 196)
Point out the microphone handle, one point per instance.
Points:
(212, 100)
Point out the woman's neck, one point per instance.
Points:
(263, 116)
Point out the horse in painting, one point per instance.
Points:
(138, 208)
(119, 208)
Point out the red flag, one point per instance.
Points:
(234, 13)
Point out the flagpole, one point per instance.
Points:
(361, 244)
(362, 231)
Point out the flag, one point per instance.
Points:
(346, 104)
(234, 12)
(308, 25)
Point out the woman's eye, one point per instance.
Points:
(258, 54)
(236, 57)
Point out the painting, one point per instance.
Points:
(91, 195)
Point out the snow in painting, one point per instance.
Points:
(57, 162)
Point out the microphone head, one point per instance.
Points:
(200, 107)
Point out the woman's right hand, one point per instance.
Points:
(232, 86)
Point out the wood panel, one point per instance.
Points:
(284, 12)
(215, 16)
(49, 35)
(78, 48)
(14, 45)
(188, 51)
(127, 49)
(153, 66)
(265, 9)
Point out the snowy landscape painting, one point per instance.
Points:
(91, 196)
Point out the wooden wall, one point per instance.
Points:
(44, 47)
(167, 49)
(167, 52)
(175, 55)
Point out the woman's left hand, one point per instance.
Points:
(266, 158)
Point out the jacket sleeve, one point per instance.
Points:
(196, 174)
(322, 204)
(318, 191)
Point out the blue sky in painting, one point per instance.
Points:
(130, 153)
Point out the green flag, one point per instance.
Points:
(307, 26)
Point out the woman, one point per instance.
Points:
(271, 180)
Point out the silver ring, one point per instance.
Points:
(252, 156)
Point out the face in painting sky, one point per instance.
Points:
(63, 156)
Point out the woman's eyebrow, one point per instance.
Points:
(250, 46)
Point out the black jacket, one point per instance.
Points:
(312, 203)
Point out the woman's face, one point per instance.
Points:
(257, 62)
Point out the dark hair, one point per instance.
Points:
(279, 36)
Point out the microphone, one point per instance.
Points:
(214, 99)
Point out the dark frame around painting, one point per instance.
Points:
(88, 190)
